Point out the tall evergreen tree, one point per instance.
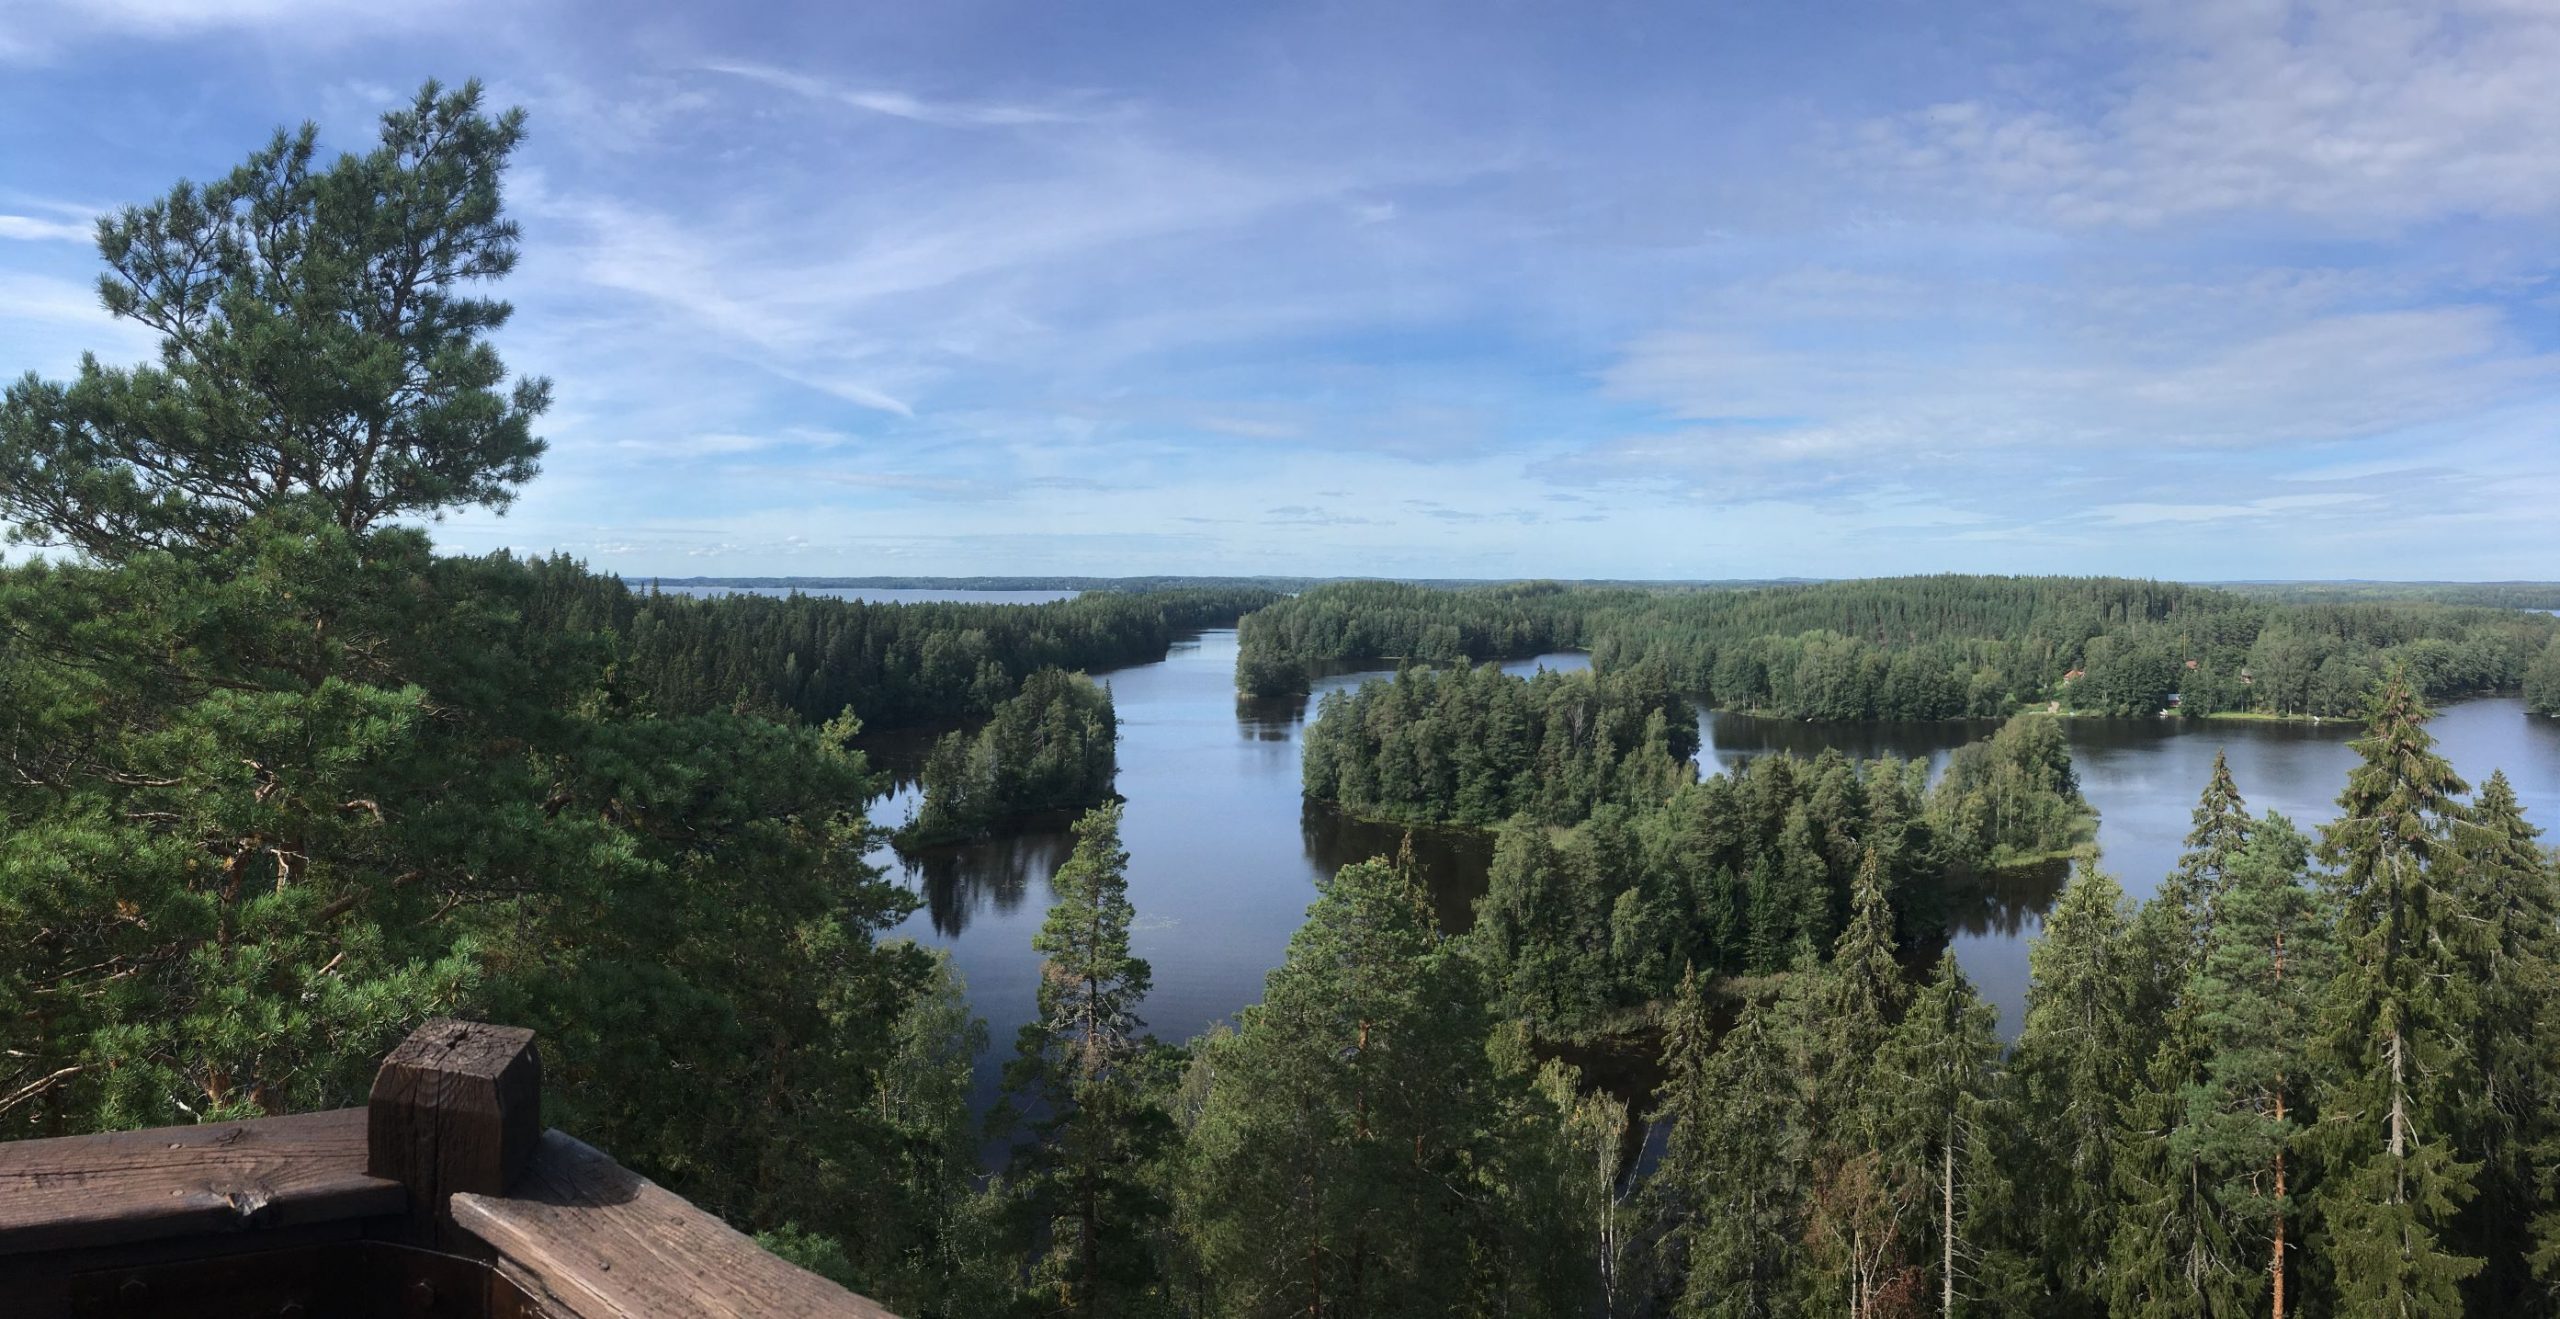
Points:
(2077, 1055)
(1858, 1242)
(1351, 1152)
(1940, 1074)
(2395, 1025)
(1082, 1182)
(2210, 1222)
(2507, 891)
(284, 781)
(1733, 1189)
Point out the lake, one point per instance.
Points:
(1225, 853)
(878, 595)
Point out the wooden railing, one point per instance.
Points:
(442, 1198)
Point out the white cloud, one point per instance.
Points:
(31, 229)
(38, 29)
(2368, 115)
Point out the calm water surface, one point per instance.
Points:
(875, 594)
(2144, 775)
(1223, 851)
(1225, 854)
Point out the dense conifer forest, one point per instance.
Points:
(283, 781)
(1925, 648)
(893, 665)
(1050, 746)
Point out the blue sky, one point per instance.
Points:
(2190, 288)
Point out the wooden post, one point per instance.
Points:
(457, 1107)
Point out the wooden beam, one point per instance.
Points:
(588, 1238)
(79, 1192)
(457, 1107)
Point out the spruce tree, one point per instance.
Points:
(2077, 1056)
(1351, 1151)
(1940, 1075)
(2507, 891)
(1734, 1182)
(2395, 1024)
(2210, 1222)
(1859, 1246)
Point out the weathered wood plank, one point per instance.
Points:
(77, 1192)
(592, 1239)
(457, 1107)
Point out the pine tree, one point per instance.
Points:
(2394, 1024)
(1082, 1183)
(2078, 1054)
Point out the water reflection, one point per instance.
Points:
(1452, 862)
(961, 882)
(1225, 852)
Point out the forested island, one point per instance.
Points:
(1050, 746)
(1926, 648)
(284, 781)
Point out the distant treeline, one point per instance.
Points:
(1125, 585)
(1050, 746)
(1924, 647)
(2493, 595)
(1144, 583)
(2542, 681)
(812, 657)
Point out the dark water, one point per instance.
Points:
(1223, 851)
(2143, 775)
(1225, 854)
(875, 594)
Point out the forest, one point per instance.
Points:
(284, 781)
(1050, 746)
(1927, 647)
(815, 657)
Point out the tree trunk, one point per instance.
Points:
(1947, 1224)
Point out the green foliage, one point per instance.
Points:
(1357, 1150)
(1732, 1195)
(2013, 796)
(318, 347)
(1050, 746)
(894, 665)
(1082, 1188)
(1922, 647)
(2395, 1021)
(2078, 1054)
(2542, 681)
(1477, 746)
(283, 782)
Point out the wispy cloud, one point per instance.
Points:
(902, 105)
(32, 229)
(2366, 116)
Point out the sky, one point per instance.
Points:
(2206, 289)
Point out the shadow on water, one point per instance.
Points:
(1452, 862)
(965, 880)
(2007, 903)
